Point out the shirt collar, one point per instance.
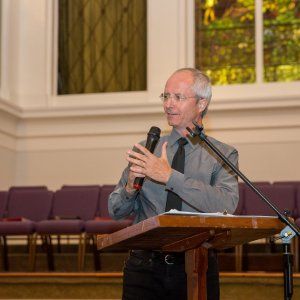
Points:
(174, 136)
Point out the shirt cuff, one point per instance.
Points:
(175, 182)
(126, 195)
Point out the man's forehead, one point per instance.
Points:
(180, 80)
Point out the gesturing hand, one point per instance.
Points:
(146, 163)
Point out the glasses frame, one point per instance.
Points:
(177, 97)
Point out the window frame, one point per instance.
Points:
(270, 92)
(252, 95)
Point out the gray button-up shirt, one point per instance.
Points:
(207, 185)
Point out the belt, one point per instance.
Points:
(169, 258)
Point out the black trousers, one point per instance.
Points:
(150, 275)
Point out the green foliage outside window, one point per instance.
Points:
(281, 40)
(225, 40)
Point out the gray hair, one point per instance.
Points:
(201, 86)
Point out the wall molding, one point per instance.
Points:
(58, 128)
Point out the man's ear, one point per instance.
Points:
(202, 104)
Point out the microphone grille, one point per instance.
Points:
(154, 131)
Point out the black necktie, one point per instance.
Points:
(173, 200)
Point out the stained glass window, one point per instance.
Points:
(225, 47)
(281, 40)
(225, 40)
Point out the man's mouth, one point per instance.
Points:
(172, 113)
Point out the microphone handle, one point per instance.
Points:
(150, 145)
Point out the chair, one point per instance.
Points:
(79, 186)
(240, 207)
(3, 203)
(71, 207)
(297, 221)
(239, 211)
(27, 188)
(283, 197)
(24, 209)
(103, 223)
(294, 183)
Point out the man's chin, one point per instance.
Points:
(171, 123)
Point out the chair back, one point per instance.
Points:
(297, 211)
(283, 197)
(79, 186)
(74, 203)
(103, 200)
(34, 205)
(3, 203)
(28, 188)
(240, 207)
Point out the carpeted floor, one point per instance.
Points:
(242, 286)
(67, 283)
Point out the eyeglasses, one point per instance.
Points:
(164, 97)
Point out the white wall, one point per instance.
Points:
(53, 140)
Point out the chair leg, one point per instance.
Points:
(32, 251)
(295, 247)
(238, 258)
(58, 244)
(81, 251)
(49, 251)
(5, 253)
(97, 260)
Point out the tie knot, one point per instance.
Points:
(182, 141)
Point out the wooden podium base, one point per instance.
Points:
(196, 263)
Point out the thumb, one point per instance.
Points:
(164, 151)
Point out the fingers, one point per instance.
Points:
(164, 151)
(136, 161)
(135, 155)
(144, 150)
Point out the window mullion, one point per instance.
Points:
(259, 58)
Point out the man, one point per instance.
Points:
(205, 185)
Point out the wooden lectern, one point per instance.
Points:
(193, 234)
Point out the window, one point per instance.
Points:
(226, 44)
(102, 46)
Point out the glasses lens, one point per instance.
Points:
(164, 97)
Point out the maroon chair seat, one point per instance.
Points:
(60, 227)
(105, 225)
(22, 227)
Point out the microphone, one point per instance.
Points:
(152, 139)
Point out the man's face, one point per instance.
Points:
(180, 114)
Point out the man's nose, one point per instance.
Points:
(170, 101)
